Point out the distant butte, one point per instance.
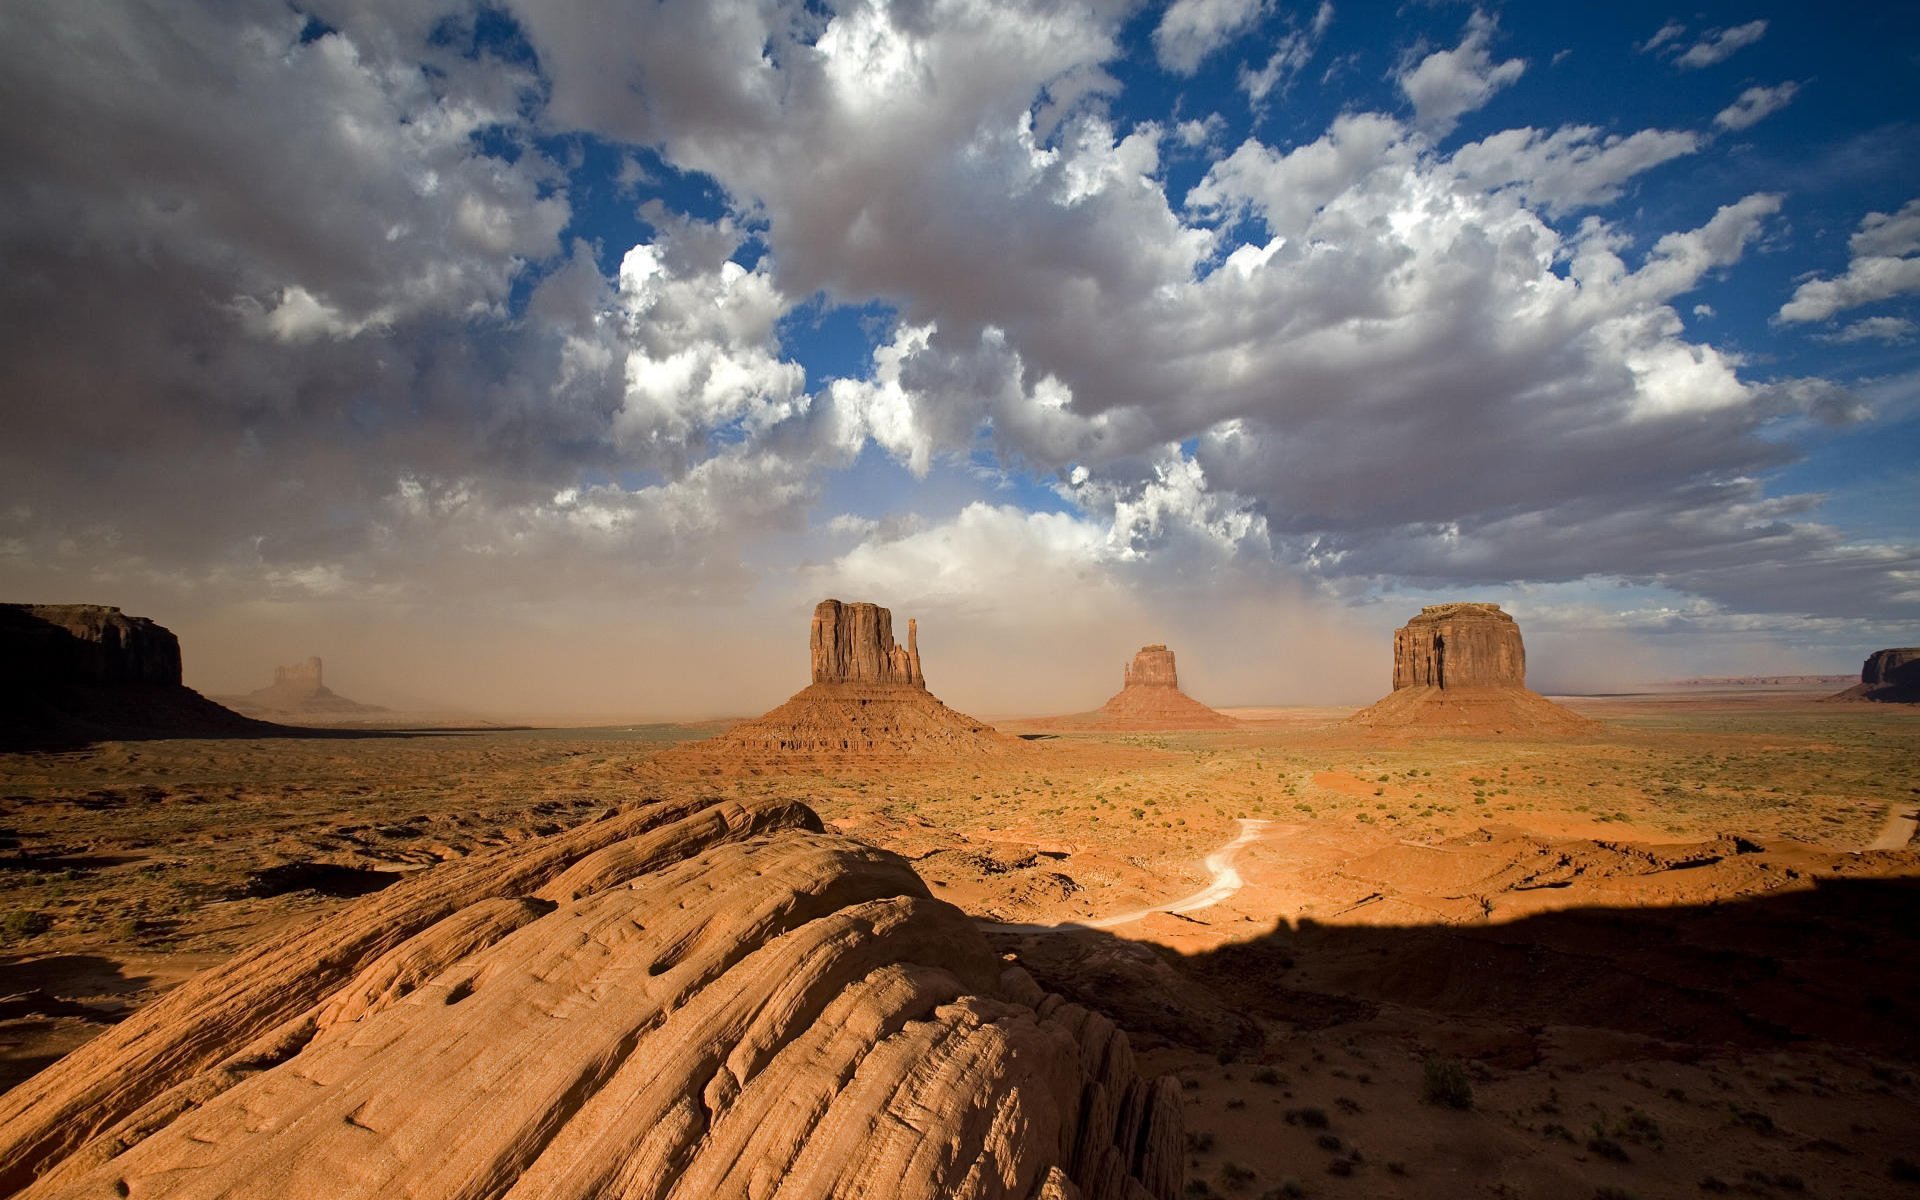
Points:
(1150, 698)
(868, 700)
(1462, 668)
(1888, 677)
(300, 690)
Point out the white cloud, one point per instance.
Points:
(1668, 32)
(1291, 54)
(1718, 45)
(1574, 167)
(1877, 329)
(1885, 264)
(1755, 105)
(1447, 84)
(1190, 30)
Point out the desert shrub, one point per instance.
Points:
(24, 923)
(1607, 1148)
(1199, 1141)
(1444, 1082)
(1268, 1076)
(1234, 1176)
(1312, 1118)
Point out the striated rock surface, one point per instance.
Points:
(868, 700)
(1888, 676)
(1462, 668)
(72, 672)
(685, 999)
(300, 690)
(1150, 698)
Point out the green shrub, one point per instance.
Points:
(1444, 1082)
(22, 924)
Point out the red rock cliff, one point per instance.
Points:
(853, 643)
(1459, 645)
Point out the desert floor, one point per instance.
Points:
(1678, 957)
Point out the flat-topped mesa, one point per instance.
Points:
(853, 643)
(304, 675)
(1152, 666)
(1150, 698)
(1889, 676)
(1459, 645)
(85, 644)
(1462, 669)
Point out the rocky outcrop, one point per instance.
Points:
(299, 691)
(1462, 669)
(685, 999)
(1889, 677)
(85, 644)
(76, 672)
(1150, 698)
(853, 643)
(1459, 645)
(868, 700)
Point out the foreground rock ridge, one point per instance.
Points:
(87, 670)
(1150, 698)
(1462, 668)
(1888, 676)
(686, 999)
(868, 700)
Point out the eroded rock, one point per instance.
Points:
(683, 1000)
(1462, 668)
(1150, 698)
(1889, 677)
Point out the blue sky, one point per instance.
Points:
(538, 341)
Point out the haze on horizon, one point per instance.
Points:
(527, 359)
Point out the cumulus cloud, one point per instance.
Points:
(1447, 84)
(1885, 263)
(1755, 105)
(1291, 55)
(1190, 30)
(1570, 168)
(1876, 329)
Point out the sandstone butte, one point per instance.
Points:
(1888, 676)
(300, 689)
(868, 700)
(690, 999)
(88, 670)
(1462, 668)
(1150, 698)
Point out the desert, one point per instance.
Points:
(1666, 948)
(977, 599)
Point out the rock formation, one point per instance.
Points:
(1150, 698)
(686, 999)
(300, 691)
(868, 700)
(1888, 676)
(78, 671)
(1461, 668)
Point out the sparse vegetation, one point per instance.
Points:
(1444, 1082)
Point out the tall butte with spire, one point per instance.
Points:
(1150, 698)
(868, 700)
(1462, 668)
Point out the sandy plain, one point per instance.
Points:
(1677, 957)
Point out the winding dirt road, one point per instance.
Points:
(1224, 880)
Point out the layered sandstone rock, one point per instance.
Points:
(868, 700)
(1462, 668)
(1150, 698)
(300, 691)
(682, 1000)
(80, 671)
(1888, 676)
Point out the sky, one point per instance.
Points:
(557, 358)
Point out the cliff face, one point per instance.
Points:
(1888, 676)
(84, 644)
(690, 999)
(1459, 645)
(75, 673)
(853, 643)
(304, 675)
(1152, 666)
